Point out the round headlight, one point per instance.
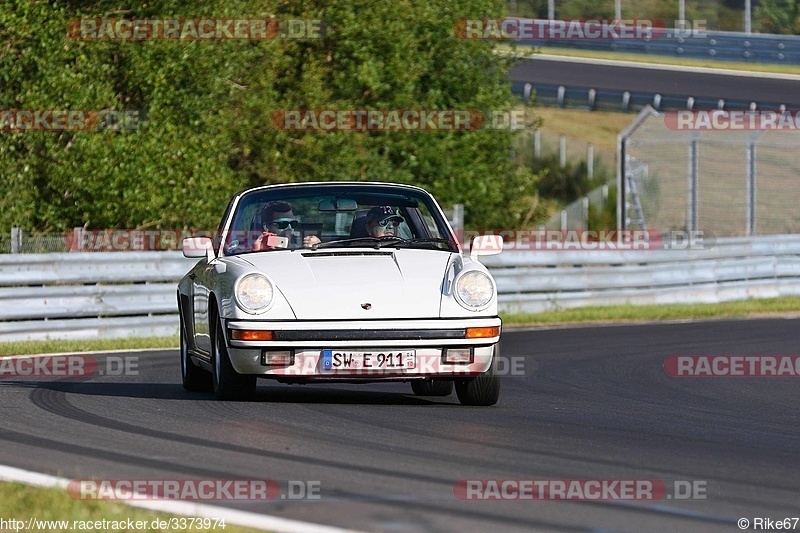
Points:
(474, 289)
(254, 293)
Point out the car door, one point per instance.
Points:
(200, 296)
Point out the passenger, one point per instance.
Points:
(383, 221)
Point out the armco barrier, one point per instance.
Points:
(89, 295)
(620, 100)
(730, 269)
(719, 45)
(133, 294)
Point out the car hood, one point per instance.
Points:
(358, 283)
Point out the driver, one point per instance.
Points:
(382, 221)
(278, 220)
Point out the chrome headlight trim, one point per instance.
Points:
(474, 290)
(255, 293)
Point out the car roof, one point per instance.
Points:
(333, 184)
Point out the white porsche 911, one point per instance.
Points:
(340, 281)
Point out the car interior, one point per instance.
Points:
(330, 219)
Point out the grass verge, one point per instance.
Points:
(626, 313)
(56, 346)
(22, 502)
(597, 127)
(616, 313)
(657, 60)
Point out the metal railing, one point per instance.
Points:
(89, 295)
(622, 100)
(730, 269)
(719, 45)
(133, 294)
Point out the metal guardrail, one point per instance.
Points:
(731, 269)
(719, 45)
(133, 294)
(619, 100)
(89, 295)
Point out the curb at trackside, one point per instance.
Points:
(184, 508)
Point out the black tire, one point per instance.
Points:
(194, 379)
(228, 383)
(433, 387)
(482, 390)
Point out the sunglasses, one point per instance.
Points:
(282, 223)
(390, 222)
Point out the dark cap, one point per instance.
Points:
(383, 212)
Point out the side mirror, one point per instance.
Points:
(485, 245)
(198, 247)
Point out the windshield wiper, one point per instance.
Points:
(379, 242)
(376, 241)
(425, 240)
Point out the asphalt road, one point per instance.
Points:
(593, 403)
(592, 75)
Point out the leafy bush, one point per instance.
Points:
(209, 106)
(778, 16)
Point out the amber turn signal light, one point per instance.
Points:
(252, 335)
(483, 333)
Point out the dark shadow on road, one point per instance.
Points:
(270, 393)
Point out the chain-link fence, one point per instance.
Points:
(724, 181)
(578, 214)
(17, 241)
(542, 143)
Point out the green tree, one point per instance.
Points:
(779, 16)
(209, 105)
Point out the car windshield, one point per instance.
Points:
(336, 216)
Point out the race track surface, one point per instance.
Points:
(594, 403)
(654, 80)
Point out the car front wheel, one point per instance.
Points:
(228, 383)
(481, 390)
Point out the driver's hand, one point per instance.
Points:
(261, 243)
(311, 240)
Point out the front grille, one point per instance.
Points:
(369, 335)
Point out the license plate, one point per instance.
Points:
(333, 360)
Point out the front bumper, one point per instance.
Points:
(307, 340)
